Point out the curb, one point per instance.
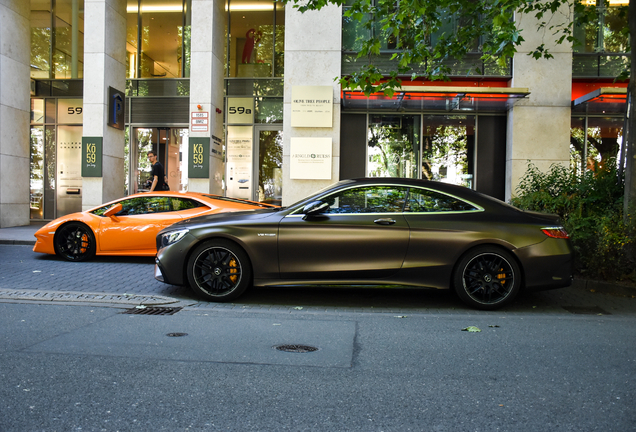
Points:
(73, 296)
(604, 287)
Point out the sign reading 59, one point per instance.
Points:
(91, 153)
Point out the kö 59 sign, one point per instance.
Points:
(199, 160)
(92, 156)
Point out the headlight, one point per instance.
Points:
(172, 237)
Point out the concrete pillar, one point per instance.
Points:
(539, 126)
(313, 56)
(206, 85)
(15, 51)
(104, 67)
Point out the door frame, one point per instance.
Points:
(258, 128)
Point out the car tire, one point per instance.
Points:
(219, 271)
(487, 278)
(75, 242)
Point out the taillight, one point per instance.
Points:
(556, 232)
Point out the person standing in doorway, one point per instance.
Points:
(157, 174)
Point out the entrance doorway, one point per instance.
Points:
(171, 147)
(254, 168)
(269, 165)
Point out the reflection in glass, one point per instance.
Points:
(257, 36)
(37, 173)
(270, 171)
(393, 146)
(604, 138)
(448, 146)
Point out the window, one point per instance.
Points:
(594, 149)
(146, 205)
(422, 200)
(370, 199)
(605, 34)
(256, 38)
(158, 39)
(57, 39)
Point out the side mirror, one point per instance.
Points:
(315, 208)
(113, 210)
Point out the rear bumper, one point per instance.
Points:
(547, 265)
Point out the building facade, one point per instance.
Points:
(239, 98)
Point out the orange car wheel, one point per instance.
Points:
(75, 242)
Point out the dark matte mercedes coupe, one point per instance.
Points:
(372, 231)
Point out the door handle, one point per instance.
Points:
(384, 221)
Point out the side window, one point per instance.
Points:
(178, 204)
(421, 200)
(371, 199)
(143, 205)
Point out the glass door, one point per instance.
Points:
(170, 144)
(268, 169)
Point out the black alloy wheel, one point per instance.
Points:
(219, 271)
(487, 278)
(75, 242)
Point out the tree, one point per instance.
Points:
(427, 34)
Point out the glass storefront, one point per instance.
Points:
(431, 147)
(158, 39)
(57, 39)
(594, 141)
(256, 41)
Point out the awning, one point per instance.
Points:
(437, 98)
(604, 100)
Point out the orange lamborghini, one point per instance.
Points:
(129, 225)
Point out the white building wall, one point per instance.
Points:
(539, 125)
(312, 58)
(206, 83)
(15, 106)
(104, 67)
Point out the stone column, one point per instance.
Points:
(539, 125)
(15, 51)
(313, 56)
(206, 85)
(104, 67)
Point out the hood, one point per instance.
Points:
(198, 221)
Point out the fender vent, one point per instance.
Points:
(153, 311)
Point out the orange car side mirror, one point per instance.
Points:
(113, 210)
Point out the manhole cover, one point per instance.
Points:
(296, 348)
(153, 311)
(586, 310)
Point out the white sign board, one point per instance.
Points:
(240, 110)
(239, 162)
(199, 121)
(310, 158)
(312, 106)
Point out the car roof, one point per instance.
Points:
(451, 189)
(203, 197)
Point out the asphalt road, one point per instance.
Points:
(386, 360)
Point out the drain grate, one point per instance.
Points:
(153, 311)
(296, 348)
(586, 310)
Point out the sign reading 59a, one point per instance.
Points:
(240, 110)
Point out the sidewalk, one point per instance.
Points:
(21, 235)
